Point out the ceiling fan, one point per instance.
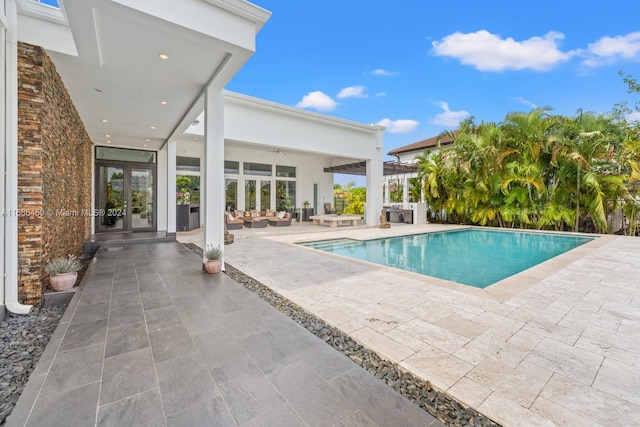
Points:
(277, 151)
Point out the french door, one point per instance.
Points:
(125, 199)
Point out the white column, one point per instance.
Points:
(171, 187)
(375, 179)
(386, 190)
(10, 147)
(405, 191)
(214, 168)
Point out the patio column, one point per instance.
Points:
(405, 190)
(387, 194)
(171, 187)
(375, 180)
(214, 168)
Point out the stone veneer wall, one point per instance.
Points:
(54, 172)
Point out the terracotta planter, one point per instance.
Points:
(213, 266)
(63, 282)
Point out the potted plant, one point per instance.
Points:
(214, 259)
(63, 272)
(306, 204)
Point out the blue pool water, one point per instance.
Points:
(472, 257)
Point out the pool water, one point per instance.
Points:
(471, 257)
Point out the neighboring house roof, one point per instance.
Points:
(423, 145)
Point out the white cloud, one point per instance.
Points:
(449, 118)
(612, 49)
(353, 92)
(526, 102)
(633, 117)
(489, 52)
(380, 94)
(317, 100)
(399, 126)
(383, 73)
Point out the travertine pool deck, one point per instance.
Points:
(555, 345)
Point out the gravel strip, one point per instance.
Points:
(23, 339)
(421, 392)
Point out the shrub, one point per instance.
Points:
(63, 265)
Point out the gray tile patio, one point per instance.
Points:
(149, 340)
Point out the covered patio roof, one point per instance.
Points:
(360, 168)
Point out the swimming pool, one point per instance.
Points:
(471, 257)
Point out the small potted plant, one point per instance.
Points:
(306, 204)
(63, 272)
(214, 259)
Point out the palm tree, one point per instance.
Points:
(431, 171)
(590, 142)
(527, 135)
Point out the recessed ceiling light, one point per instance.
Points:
(145, 145)
(108, 142)
(163, 102)
(153, 127)
(163, 56)
(107, 136)
(104, 121)
(147, 140)
(196, 138)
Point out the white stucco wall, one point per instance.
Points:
(266, 123)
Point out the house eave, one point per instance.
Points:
(299, 113)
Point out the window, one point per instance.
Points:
(265, 195)
(125, 155)
(285, 195)
(188, 164)
(249, 194)
(259, 169)
(231, 167)
(232, 194)
(285, 171)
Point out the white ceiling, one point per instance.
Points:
(119, 78)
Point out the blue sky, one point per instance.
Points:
(419, 67)
(53, 3)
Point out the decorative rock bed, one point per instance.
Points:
(23, 339)
(419, 391)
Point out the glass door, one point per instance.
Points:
(265, 195)
(141, 199)
(125, 198)
(249, 194)
(111, 206)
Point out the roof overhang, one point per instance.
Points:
(107, 53)
(360, 168)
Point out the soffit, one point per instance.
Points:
(117, 75)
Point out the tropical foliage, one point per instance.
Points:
(349, 199)
(537, 170)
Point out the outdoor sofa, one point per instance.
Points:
(233, 223)
(276, 221)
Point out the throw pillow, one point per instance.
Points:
(281, 214)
